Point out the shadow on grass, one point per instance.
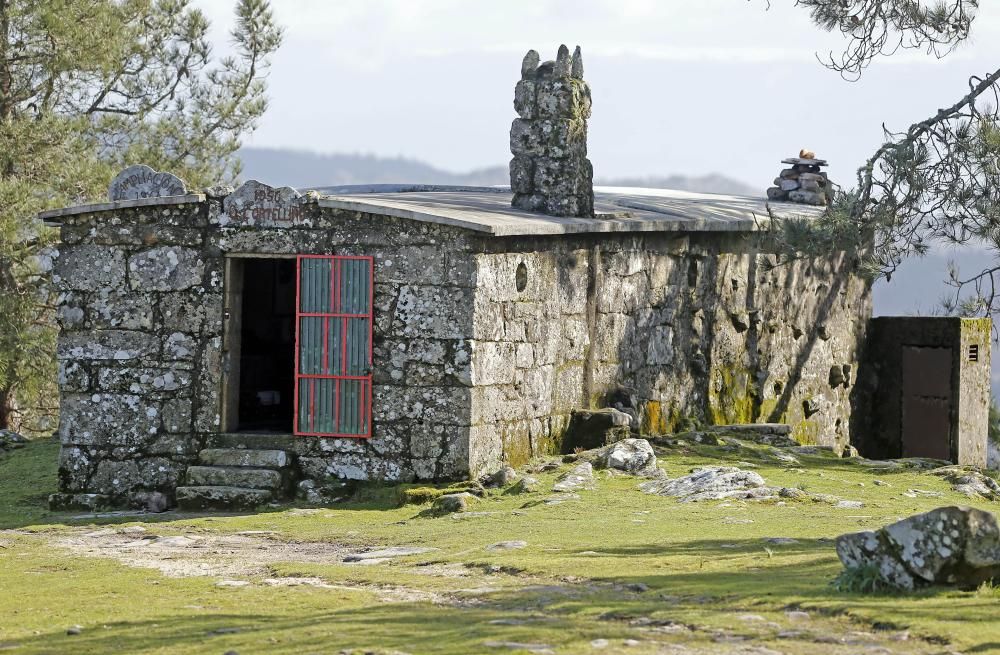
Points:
(583, 611)
(715, 548)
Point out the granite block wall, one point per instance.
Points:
(674, 328)
(143, 353)
(483, 346)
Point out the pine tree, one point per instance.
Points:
(87, 87)
(938, 181)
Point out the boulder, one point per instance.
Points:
(502, 478)
(526, 485)
(633, 456)
(451, 503)
(580, 477)
(10, 440)
(589, 429)
(957, 546)
(970, 482)
(711, 483)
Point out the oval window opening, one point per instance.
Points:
(521, 277)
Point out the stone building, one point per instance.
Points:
(218, 346)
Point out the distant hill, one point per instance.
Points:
(302, 169)
(711, 183)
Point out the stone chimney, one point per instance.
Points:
(550, 172)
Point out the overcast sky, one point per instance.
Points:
(679, 86)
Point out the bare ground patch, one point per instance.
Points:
(237, 560)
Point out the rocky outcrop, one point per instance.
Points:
(711, 483)
(505, 477)
(10, 440)
(957, 546)
(451, 503)
(580, 477)
(970, 482)
(633, 456)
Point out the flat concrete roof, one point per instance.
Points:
(487, 209)
(618, 209)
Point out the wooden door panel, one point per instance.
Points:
(927, 402)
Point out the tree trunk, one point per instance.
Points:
(7, 408)
(6, 75)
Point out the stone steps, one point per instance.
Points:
(234, 476)
(236, 479)
(245, 457)
(200, 497)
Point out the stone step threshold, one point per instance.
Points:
(245, 458)
(234, 476)
(257, 440)
(201, 497)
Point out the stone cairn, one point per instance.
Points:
(803, 183)
(550, 172)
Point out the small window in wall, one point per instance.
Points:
(333, 364)
(974, 352)
(521, 277)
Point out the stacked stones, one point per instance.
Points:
(803, 182)
(550, 172)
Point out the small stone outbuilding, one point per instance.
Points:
(448, 332)
(253, 338)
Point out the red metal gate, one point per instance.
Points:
(333, 346)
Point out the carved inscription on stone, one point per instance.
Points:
(256, 203)
(141, 181)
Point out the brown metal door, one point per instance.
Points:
(927, 402)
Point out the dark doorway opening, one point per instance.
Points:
(267, 346)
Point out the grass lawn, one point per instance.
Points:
(615, 571)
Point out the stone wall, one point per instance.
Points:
(140, 325)
(142, 343)
(702, 327)
(482, 345)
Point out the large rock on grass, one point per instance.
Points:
(970, 482)
(451, 503)
(580, 477)
(711, 483)
(10, 440)
(589, 429)
(633, 456)
(957, 546)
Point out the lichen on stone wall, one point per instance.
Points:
(662, 341)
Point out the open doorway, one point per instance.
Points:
(266, 345)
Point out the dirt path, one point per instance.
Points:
(238, 560)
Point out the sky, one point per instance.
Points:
(686, 87)
(679, 87)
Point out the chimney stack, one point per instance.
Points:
(550, 172)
